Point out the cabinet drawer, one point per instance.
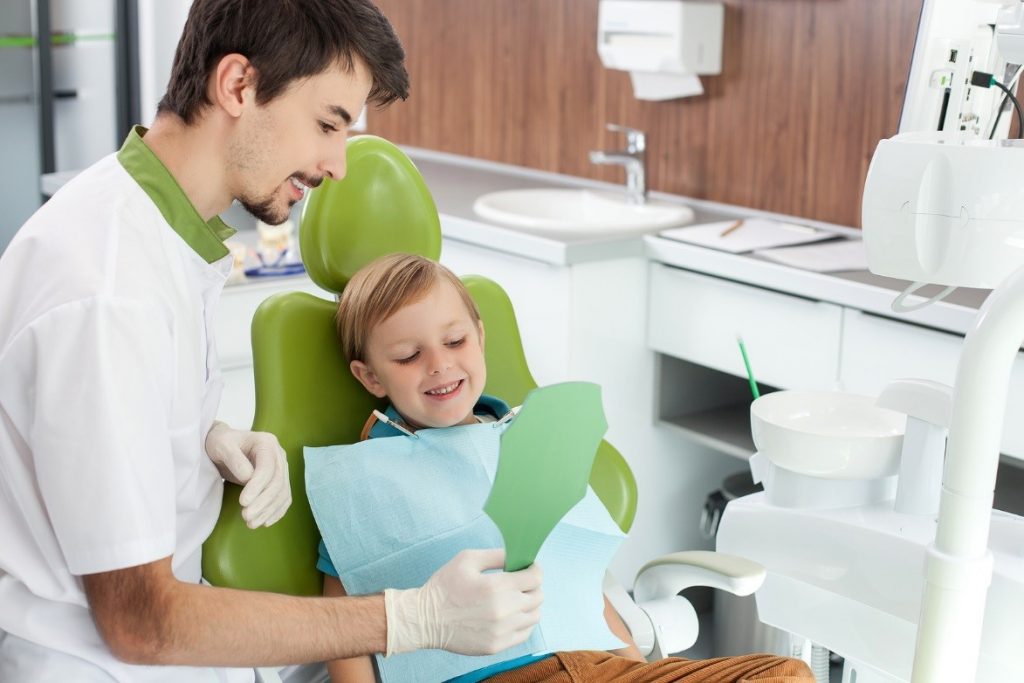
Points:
(877, 350)
(793, 343)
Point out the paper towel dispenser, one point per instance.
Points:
(663, 44)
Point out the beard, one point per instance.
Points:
(266, 209)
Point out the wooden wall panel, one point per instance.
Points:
(807, 90)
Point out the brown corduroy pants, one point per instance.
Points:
(603, 667)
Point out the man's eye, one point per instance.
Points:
(326, 127)
(408, 359)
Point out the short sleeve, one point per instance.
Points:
(324, 563)
(95, 394)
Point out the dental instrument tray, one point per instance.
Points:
(747, 234)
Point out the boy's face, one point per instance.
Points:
(293, 142)
(428, 359)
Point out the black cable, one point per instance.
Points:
(982, 79)
(999, 115)
(1016, 106)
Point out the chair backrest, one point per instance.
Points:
(305, 394)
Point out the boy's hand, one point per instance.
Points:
(257, 462)
(462, 609)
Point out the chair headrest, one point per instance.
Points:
(381, 206)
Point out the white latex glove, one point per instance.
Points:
(257, 461)
(463, 610)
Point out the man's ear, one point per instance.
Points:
(233, 80)
(368, 378)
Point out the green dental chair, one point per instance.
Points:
(306, 396)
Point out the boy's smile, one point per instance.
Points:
(428, 359)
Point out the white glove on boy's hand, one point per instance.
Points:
(463, 610)
(257, 461)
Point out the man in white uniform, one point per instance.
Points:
(111, 463)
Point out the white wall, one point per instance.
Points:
(160, 25)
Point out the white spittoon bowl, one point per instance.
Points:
(828, 434)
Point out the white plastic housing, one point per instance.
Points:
(943, 211)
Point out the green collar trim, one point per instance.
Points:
(205, 238)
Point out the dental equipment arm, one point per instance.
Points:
(959, 566)
(660, 620)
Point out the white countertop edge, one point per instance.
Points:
(575, 181)
(502, 239)
(803, 283)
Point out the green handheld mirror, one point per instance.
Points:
(544, 465)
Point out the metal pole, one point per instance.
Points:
(44, 86)
(126, 50)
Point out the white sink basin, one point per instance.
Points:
(828, 434)
(577, 211)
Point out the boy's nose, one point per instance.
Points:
(439, 361)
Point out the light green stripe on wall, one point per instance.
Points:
(56, 39)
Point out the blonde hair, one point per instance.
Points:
(382, 287)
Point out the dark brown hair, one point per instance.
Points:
(284, 40)
(382, 287)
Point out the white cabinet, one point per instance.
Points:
(877, 350)
(793, 343)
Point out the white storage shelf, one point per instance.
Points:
(794, 343)
(694, 321)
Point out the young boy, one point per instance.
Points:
(413, 334)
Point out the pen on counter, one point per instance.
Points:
(750, 373)
(391, 423)
(732, 228)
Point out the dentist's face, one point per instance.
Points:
(428, 359)
(293, 142)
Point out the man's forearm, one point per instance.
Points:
(146, 616)
(225, 627)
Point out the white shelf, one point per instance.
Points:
(725, 429)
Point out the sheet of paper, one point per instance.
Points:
(822, 258)
(544, 465)
(751, 234)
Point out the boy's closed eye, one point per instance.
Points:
(455, 343)
(408, 359)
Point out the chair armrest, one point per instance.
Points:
(669, 574)
(635, 619)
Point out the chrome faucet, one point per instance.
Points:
(632, 158)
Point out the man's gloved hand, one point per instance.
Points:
(463, 610)
(257, 462)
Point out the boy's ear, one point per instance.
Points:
(480, 328)
(368, 378)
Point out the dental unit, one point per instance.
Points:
(876, 530)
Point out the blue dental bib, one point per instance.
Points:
(393, 510)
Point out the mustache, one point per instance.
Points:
(307, 180)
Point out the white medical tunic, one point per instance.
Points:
(108, 385)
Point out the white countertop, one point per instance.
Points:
(456, 182)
